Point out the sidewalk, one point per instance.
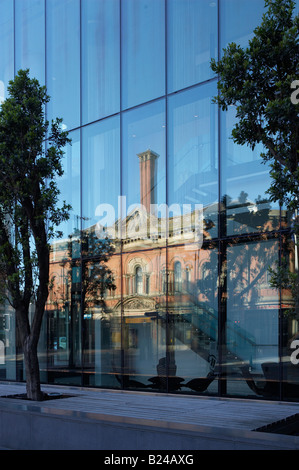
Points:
(124, 420)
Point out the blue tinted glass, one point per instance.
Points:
(69, 187)
(252, 312)
(238, 18)
(100, 59)
(6, 46)
(63, 61)
(244, 181)
(30, 37)
(192, 41)
(100, 172)
(101, 280)
(144, 246)
(193, 152)
(143, 51)
(144, 131)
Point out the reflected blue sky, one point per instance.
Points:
(143, 129)
(193, 148)
(192, 160)
(69, 185)
(100, 59)
(192, 41)
(100, 168)
(6, 46)
(143, 51)
(238, 18)
(30, 37)
(63, 60)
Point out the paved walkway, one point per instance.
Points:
(194, 415)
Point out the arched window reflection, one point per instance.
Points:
(188, 277)
(177, 277)
(138, 280)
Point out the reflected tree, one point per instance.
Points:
(285, 276)
(97, 277)
(257, 81)
(247, 216)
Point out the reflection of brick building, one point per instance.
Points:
(148, 173)
(165, 297)
(171, 299)
(149, 284)
(146, 274)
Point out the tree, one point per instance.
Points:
(30, 161)
(258, 81)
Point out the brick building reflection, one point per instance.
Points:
(142, 309)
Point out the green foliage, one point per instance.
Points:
(30, 161)
(257, 81)
(283, 278)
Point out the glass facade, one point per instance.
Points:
(160, 280)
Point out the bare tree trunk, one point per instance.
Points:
(33, 388)
(29, 346)
(30, 340)
(30, 343)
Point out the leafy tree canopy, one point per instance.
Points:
(258, 80)
(30, 161)
(30, 153)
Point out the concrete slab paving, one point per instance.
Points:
(111, 419)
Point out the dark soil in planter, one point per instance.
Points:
(288, 426)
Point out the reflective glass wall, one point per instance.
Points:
(160, 281)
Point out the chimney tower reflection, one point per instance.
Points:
(148, 180)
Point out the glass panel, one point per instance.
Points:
(252, 356)
(64, 328)
(143, 51)
(290, 318)
(193, 155)
(193, 318)
(144, 327)
(101, 281)
(8, 346)
(143, 168)
(8, 343)
(100, 59)
(238, 18)
(245, 179)
(63, 61)
(63, 306)
(30, 37)
(143, 248)
(68, 245)
(100, 174)
(101, 314)
(6, 46)
(192, 41)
